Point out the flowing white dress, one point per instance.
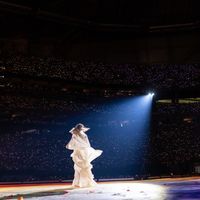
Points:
(83, 154)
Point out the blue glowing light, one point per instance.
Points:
(126, 125)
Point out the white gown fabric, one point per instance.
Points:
(83, 154)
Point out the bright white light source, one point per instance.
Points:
(151, 94)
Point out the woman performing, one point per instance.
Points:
(82, 156)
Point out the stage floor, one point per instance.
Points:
(159, 189)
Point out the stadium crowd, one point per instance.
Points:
(172, 147)
(33, 126)
(155, 75)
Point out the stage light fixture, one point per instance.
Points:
(151, 94)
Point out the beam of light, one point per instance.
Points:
(125, 123)
(133, 116)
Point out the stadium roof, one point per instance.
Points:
(128, 15)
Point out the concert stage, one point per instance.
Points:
(157, 189)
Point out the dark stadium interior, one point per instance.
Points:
(62, 62)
